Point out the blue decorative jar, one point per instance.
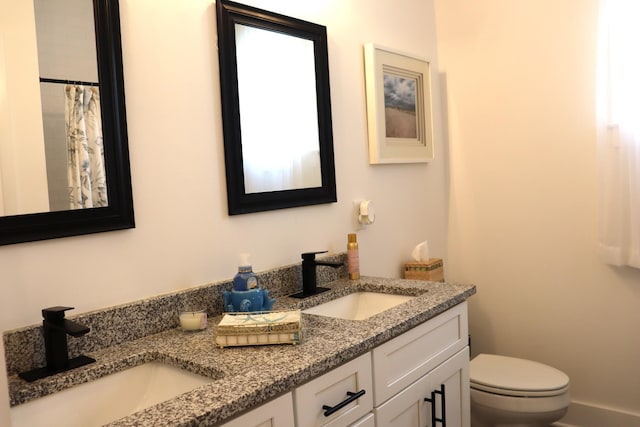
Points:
(243, 301)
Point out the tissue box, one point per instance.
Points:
(432, 270)
(259, 328)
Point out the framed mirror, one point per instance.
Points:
(276, 110)
(110, 207)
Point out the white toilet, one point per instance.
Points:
(510, 392)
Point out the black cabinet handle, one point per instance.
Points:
(328, 410)
(443, 407)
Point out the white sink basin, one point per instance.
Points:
(358, 306)
(109, 398)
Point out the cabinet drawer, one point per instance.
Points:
(404, 359)
(409, 408)
(330, 390)
(277, 413)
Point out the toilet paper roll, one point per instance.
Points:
(421, 252)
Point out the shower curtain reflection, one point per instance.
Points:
(85, 151)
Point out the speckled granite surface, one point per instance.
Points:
(24, 347)
(244, 377)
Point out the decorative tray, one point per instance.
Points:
(260, 328)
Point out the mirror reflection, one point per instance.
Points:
(276, 110)
(64, 158)
(70, 94)
(64, 168)
(285, 89)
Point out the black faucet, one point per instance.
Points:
(55, 329)
(309, 264)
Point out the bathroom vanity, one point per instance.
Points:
(359, 371)
(387, 385)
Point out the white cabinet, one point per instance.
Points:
(409, 407)
(338, 398)
(430, 361)
(366, 421)
(276, 413)
(404, 359)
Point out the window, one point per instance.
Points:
(618, 115)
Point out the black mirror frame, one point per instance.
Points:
(240, 202)
(119, 214)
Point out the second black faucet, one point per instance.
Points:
(309, 264)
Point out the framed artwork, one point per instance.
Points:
(398, 106)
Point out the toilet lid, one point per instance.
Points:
(516, 377)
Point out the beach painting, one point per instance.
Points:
(400, 107)
(399, 121)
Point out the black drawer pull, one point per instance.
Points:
(443, 407)
(328, 410)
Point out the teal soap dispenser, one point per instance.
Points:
(245, 279)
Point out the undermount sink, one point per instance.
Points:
(109, 398)
(358, 305)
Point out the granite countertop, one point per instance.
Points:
(245, 377)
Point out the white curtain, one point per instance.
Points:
(85, 152)
(618, 114)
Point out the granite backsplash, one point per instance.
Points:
(24, 347)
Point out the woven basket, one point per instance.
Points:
(432, 270)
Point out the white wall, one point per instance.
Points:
(520, 83)
(184, 236)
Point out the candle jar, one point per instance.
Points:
(193, 320)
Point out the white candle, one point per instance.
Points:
(193, 320)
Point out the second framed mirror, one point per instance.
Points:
(276, 109)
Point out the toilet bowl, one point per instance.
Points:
(510, 392)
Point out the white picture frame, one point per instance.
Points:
(399, 106)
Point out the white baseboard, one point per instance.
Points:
(583, 414)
